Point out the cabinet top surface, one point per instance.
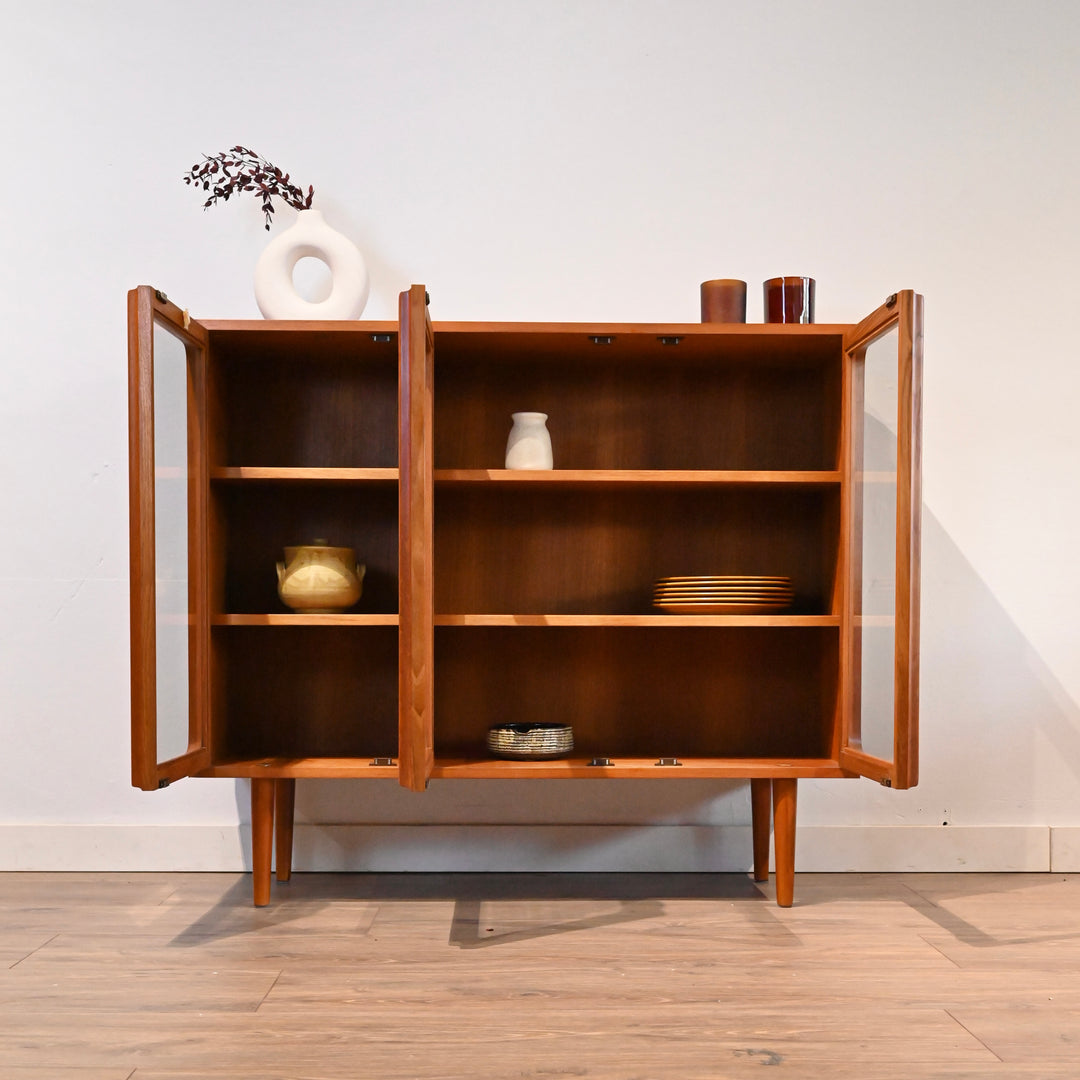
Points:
(600, 328)
(579, 343)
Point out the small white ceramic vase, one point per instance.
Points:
(310, 236)
(529, 444)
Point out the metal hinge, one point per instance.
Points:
(383, 761)
(890, 299)
(885, 782)
(601, 339)
(162, 784)
(601, 761)
(161, 296)
(669, 761)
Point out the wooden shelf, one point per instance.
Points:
(575, 768)
(276, 768)
(637, 620)
(280, 473)
(578, 768)
(640, 477)
(293, 619)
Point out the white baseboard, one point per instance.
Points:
(541, 848)
(1065, 850)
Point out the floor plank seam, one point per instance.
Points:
(269, 991)
(956, 964)
(32, 951)
(949, 1014)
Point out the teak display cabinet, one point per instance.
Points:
(495, 596)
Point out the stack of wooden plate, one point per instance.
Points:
(723, 595)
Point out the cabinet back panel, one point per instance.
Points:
(502, 550)
(304, 692)
(304, 407)
(762, 692)
(612, 416)
(255, 521)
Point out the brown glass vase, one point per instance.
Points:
(789, 300)
(723, 300)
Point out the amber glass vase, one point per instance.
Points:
(723, 300)
(789, 300)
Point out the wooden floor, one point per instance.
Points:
(635, 977)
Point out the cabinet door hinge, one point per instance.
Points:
(162, 784)
(886, 782)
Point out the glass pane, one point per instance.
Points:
(172, 607)
(875, 494)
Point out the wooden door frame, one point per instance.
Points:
(903, 310)
(146, 308)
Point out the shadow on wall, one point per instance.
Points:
(999, 733)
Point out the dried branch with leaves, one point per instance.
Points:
(240, 169)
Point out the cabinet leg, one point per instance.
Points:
(761, 819)
(784, 795)
(284, 804)
(262, 839)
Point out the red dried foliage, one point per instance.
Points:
(240, 169)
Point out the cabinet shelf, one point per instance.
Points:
(578, 768)
(309, 475)
(277, 768)
(638, 620)
(615, 478)
(294, 619)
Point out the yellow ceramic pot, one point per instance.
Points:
(317, 579)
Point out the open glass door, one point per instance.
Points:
(416, 595)
(167, 479)
(883, 399)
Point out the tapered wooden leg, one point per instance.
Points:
(784, 795)
(262, 839)
(761, 819)
(284, 804)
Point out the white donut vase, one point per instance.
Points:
(311, 237)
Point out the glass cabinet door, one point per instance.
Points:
(883, 368)
(167, 364)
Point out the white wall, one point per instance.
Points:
(558, 159)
